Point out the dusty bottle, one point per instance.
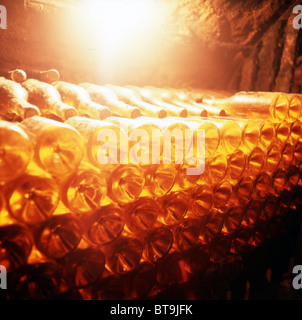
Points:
(230, 134)
(158, 243)
(287, 155)
(232, 220)
(211, 133)
(16, 151)
(105, 225)
(16, 243)
(255, 161)
(174, 207)
(187, 234)
(215, 168)
(211, 228)
(130, 97)
(242, 190)
(255, 105)
(152, 97)
(58, 147)
(142, 215)
(125, 184)
(221, 249)
(279, 181)
(196, 97)
(236, 165)
(78, 97)
(297, 154)
(203, 198)
(295, 131)
(124, 255)
(140, 281)
(59, 236)
(222, 194)
(159, 179)
(84, 191)
(32, 198)
(294, 108)
(13, 101)
(272, 158)
(262, 185)
(171, 97)
(170, 271)
(84, 267)
(251, 213)
(144, 138)
(100, 152)
(282, 133)
(37, 281)
(107, 97)
(47, 99)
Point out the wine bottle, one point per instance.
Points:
(58, 147)
(130, 97)
(78, 97)
(107, 97)
(47, 99)
(16, 151)
(13, 101)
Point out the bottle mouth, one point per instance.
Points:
(162, 114)
(135, 113)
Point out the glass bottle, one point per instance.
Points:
(16, 242)
(104, 225)
(78, 98)
(125, 184)
(124, 255)
(47, 99)
(58, 147)
(101, 152)
(255, 105)
(107, 97)
(158, 243)
(179, 100)
(174, 207)
(13, 101)
(15, 151)
(84, 191)
(59, 235)
(150, 96)
(142, 215)
(130, 97)
(202, 200)
(84, 267)
(32, 198)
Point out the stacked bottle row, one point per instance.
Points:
(95, 224)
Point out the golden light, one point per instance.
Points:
(119, 30)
